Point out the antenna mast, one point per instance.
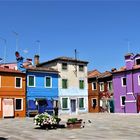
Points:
(16, 34)
(75, 52)
(4, 48)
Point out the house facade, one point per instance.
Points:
(126, 82)
(12, 93)
(42, 90)
(72, 83)
(106, 92)
(93, 92)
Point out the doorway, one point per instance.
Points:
(138, 103)
(73, 105)
(8, 107)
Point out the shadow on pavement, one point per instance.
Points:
(2, 138)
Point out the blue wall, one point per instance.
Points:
(40, 91)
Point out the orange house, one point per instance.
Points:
(12, 93)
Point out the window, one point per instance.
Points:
(64, 103)
(137, 61)
(19, 104)
(64, 83)
(123, 100)
(64, 66)
(101, 86)
(81, 84)
(94, 103)
(18, 82)
(81, 103)
(94, 86)
(109, 85)
(48, 82)
(81, 68)
(123, 81)
(31, 81)
(139, 80)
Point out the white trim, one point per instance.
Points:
(108, 85)
(100, 86)
(122, 81)
(129, 93)
(130, 101)
(93, 86)
(50, 81)
(136, 60)
(121, 99)
(139, 80)
(21, 104)
(34, 81)
(128, 60)
(20, 82)
(0, 104)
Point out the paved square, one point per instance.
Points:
(102, 126)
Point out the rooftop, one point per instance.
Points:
(93, 74)
(63, 58)
(9, 70)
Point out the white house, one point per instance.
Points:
(73, 86)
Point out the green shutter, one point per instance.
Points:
(31, 80)
(48, 81)
(81, 84)
(64, 83)
(64, 103)
(81, 102)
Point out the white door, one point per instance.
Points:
(8, 107)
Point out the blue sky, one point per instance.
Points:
(99, 30)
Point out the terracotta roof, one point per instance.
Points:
(93, 74)
(41, 69)
(9, 70)
(122, 69)
(105, 74)
(63, 58)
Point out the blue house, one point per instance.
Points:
(42, 90)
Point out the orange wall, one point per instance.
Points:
(8, 90)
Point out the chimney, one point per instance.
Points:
(129, 61)
(113, 69)
(36, 60)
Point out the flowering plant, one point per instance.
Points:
(46, 119)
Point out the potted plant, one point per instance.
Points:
(74, 123)
(45, 120)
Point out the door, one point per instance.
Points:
(73, 105)
(138, 102)
(111, 103)
(8, 107)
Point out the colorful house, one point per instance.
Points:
(12, 93)
(126, 82)
(73, 87)
(93, 91)
(106, 92)
(42, 90)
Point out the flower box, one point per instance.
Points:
(74, 123)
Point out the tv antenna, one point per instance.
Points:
(5, 42)
(16, 35)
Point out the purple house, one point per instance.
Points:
(126, 83)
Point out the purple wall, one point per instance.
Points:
(130, 91)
